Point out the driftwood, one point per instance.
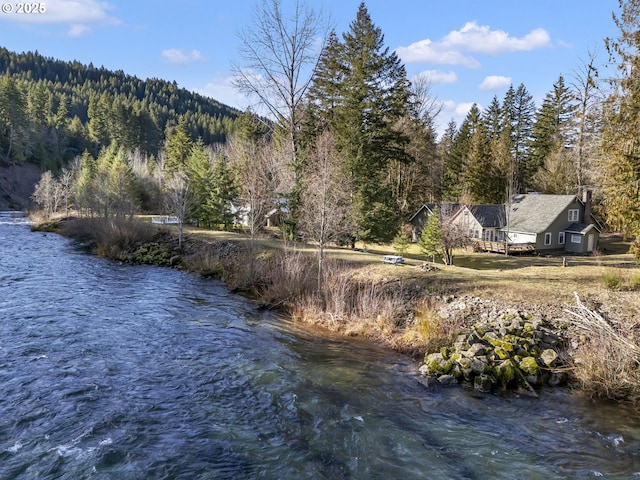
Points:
(592, 322)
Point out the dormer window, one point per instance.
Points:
(574, 215)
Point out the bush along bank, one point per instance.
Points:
(513, 352)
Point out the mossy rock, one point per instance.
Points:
(529, 366)
(479, 365)
(475, 350)
(548, 357)
(505, 372)
(502, 353)
(484, 383)
(437, 364)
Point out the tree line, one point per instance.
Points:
(51, 111)
(352, 150)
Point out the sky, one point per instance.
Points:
(471, 51)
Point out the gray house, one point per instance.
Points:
(481, 222)
(551, 222)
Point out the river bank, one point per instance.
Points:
(412, 310)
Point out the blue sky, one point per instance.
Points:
(471, 50)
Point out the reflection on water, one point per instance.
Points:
(112, 371)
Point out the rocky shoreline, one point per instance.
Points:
(515, 351)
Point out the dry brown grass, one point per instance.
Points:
(607, 357)
(108, 237)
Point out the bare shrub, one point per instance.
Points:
(607, 361)
(288, 277)
(109, 237)
(427, 330)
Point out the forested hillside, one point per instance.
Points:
(51, 111)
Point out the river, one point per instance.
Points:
(111, 371)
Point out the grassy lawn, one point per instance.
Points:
(520, 278)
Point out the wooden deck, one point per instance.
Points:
(499, 247)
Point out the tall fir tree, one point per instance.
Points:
(620, 154)
(553, 128)
(177, 148)
(519, 113)
(368, 88)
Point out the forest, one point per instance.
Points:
(52, 111)
(350, 149)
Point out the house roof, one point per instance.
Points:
(488, 215)
(449, 207)
(428, 206)
(533, 213)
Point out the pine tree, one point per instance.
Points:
(553, 128)
(13, 119)
(519, 111)
(368, 89)
(178, 148)
(620, 154)
(430, 242)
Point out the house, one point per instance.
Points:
(529, 222)
(481, 222)
(552, 222)
(419, 219)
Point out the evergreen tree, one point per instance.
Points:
(430, 242)
(13, 120)
(553, 128)
(369, 90)
(620, 155)
(177, 148)
(519, 111)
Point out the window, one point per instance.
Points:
(547, 238)
(574, 215)
(576, 238)
(561, 238)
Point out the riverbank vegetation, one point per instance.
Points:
(418, 309)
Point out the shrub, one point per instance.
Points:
(634, 282)
(109, 237)
(612, 281)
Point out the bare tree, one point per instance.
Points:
(326, 199)
(590, 99)
(67, 183)
(453, 234)
(178, 198)
(257, 167)
(280, 56)
(47, 194)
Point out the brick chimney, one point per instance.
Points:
(586, 199)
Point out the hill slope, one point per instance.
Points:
(61, 108)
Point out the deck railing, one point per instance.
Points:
(499, 247)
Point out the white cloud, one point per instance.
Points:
(452, 110)
(438, 77)
(452, 49)
(426, 51)
(494, 82)
(462, 109)
(178, 56)
(78, 14)
(480, 38)
(78, 30)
